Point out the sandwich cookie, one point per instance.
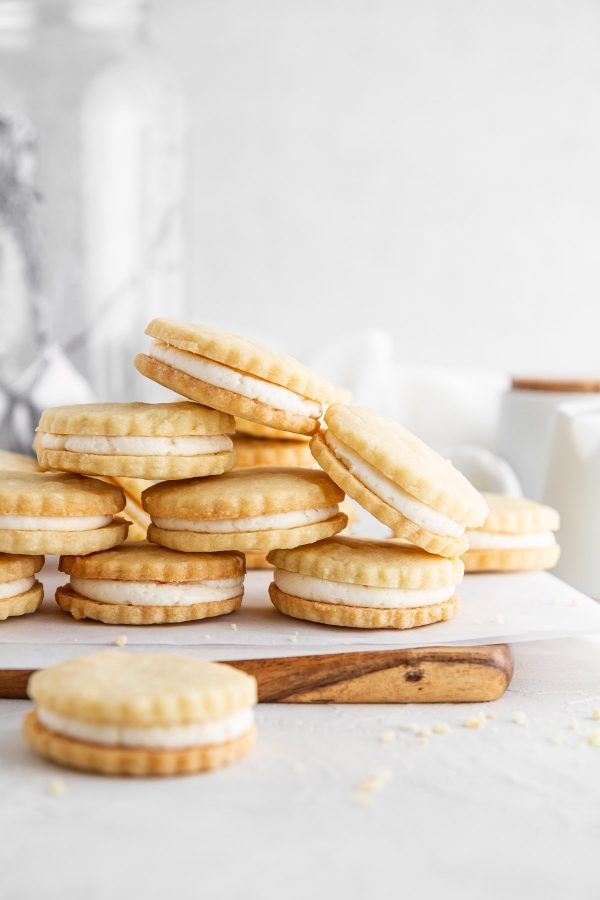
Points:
(17, 462)
(399, 479)
(141, 714)
(252, 451)
(236, 375)
(59, 513)
(517, 535)
(362, 583)
(248, 509)
(255, 429)
(142, 584)
(20, 592)
(154, 441)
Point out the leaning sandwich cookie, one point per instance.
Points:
(20, 592)
(253, 451)
(142, 584)
(399, 479)
(517, 535)
(141, 714)
(154, 441)
(360, 583)
(59, 513)
(255, 429)
(235, 375)
(247, 509)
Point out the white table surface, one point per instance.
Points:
(498, 812)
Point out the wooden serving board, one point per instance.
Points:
(418, 675)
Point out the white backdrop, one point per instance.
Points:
(428, 168)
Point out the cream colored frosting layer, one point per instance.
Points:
(201, 734)
(14, 588)
(293, 519)
(187, 445)
(492, 540)
(419, 513)
(308, 587)
(153, 593)
(222, 376)
(54, 523)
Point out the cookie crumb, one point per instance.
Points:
(363, 794)
(491, 714)
(56, 787)
(573, 725)
(474, 722)
(441, 728)
(520, 718)
(423, 741)
(594, 738)
(233, 626)
(387, 737)
(596, 713)
(120, 640)
(410, 726)
(423, 731)
(293, 638)
(557, 739)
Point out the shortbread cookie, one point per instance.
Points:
(117, 713)
(17, 462)
(142, 584)
(518, 535)
(362, 583)
(253, 451)
(255, 429)
(59, 513)
(235, 375)
(153, 441)
(20, 592)
(247, 509)
(399, 479)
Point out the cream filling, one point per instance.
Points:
(200, 734)
(54, 523)
(14, 588)
(125, 445)
(492, 540)
(419, 513)
(337, 592)
(222, 376)
(293, 519)
(153, 593)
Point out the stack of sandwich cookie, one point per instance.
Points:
(399, 479)
(142, 584)
(517, 535)
(143, 714)
(20, 592)
(362, 583)
(59, 513)
(235, 375)
(248, 509)
(136, 440)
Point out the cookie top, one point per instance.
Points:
(517, 515)
(386, 564)
(251, 451)
(136, 419)
(149, 562)
(17, 462)
(243, 354)
(14, 566)
(407, 461)
(256, 429)
(57, 494)
(141, 689)
(241, 493)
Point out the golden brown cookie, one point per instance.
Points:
(255, 429)
(59, 513)
(235, 375)
(136, 440)
(251, 451)
(17, 462)
(142, 584)
(247, 509)
(133, 488)
(20, 592)
(517, 535)
(399, 479)
(361, 583)
(141, 714)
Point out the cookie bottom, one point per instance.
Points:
(121, 614)
(64, 543)
(107, 760)
(361, 616)
(257, 561)
(22, 604)
(440, 544)
(274, 539)
(158, 468)
(222, 399)
(521, 559)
